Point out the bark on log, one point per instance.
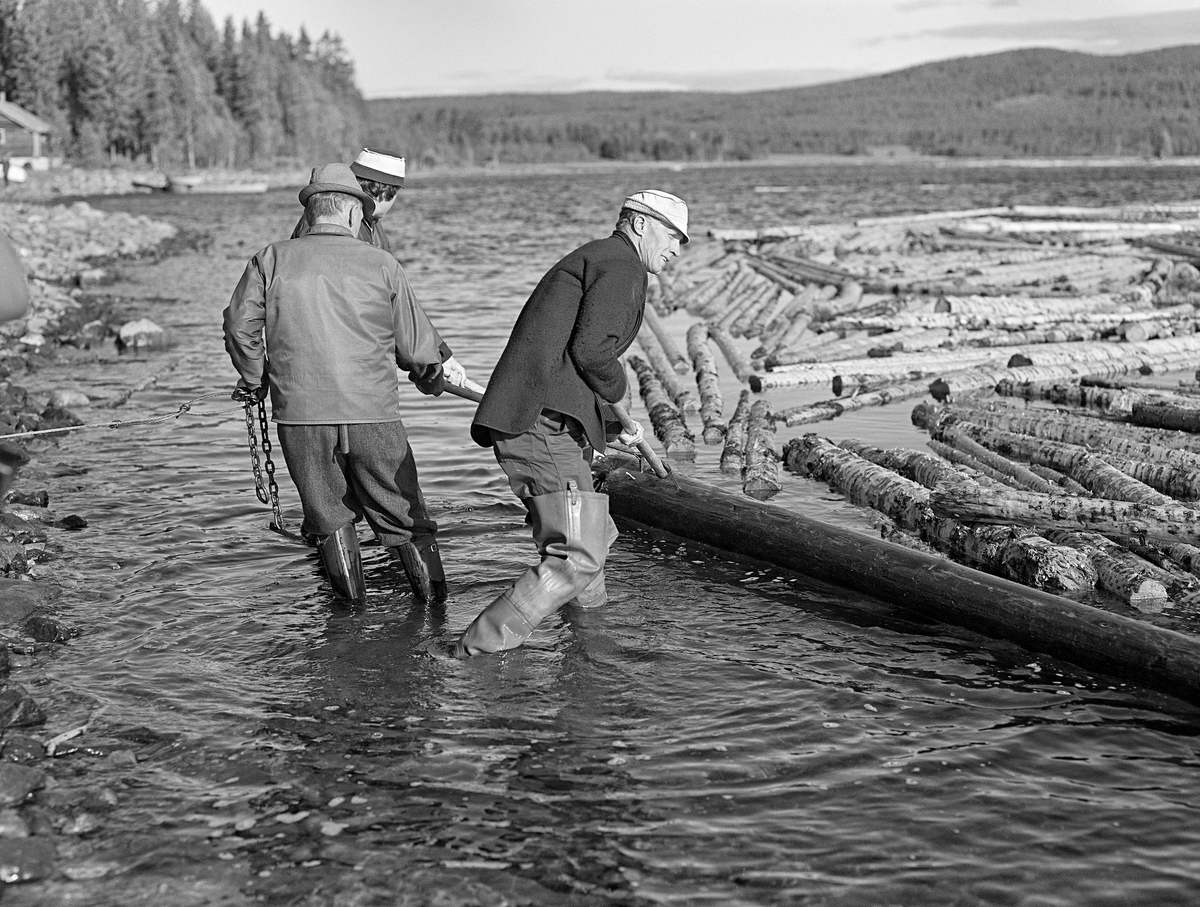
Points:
(733, 456)
(930, 587)
(1093, 472)
(1152, 445)
(737, 360)
(678, 361)
(764, 301)
(758, 326)
(761, 478)
(666, 420)
(962, 458)
(1022, 306)
(1118, 571)
(678, 389)
(712, 404)
(1158, 523)
(698, 302)
(1018, 554)
(1164, 414)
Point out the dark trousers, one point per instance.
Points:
(345, 473)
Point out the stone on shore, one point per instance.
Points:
(26, 859)
(18, 781)
(142, 334)
(19, 599)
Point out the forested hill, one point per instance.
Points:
(160, 82)
(1036, 102)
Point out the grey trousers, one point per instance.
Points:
(543, 459)
(345, 473)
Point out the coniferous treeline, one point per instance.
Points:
(158, 82)
(1020, 103)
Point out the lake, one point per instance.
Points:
(721, 733)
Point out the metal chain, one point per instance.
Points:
(267, 492)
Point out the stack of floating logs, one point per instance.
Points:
(974, 314)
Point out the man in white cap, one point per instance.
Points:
(338, 317)
(546, 411)
(380, 175)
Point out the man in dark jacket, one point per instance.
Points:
(546, 411)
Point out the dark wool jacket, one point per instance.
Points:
(565, 348)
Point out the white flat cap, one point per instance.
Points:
(670, 209)
(380, 166)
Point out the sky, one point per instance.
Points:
(406, 48)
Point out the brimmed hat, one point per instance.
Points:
(670, 209)
(381, 166)
(336, 177)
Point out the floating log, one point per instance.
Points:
(1024, 306)
(1159, 523)
(800, 302)
(733, 456)
(1018, 554)
(962, 457)
(1153, 445)
(678, 361)
(849, 298)
(666, 420)
(1118, 571)
(758, 325)
(1165, 414)
(925, 216)
(741, 278)
(1090, 470)
(761, 478)
(712, 404)
(764, 301)
(737, 361)
(699, 300)
(748, 300)
(678, 389)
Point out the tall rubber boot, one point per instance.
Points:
(570, 529)
(595, 594)
(343, 563)
(422, 564)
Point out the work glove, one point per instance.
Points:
(248, 395)
(455, 373)
(432, 381)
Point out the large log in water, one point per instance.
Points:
(678, 361)
(922, 585)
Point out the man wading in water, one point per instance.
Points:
(545, 411)
(338, 318)
(380, 174)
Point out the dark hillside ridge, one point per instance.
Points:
(1025, 103)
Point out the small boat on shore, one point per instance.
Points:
(200, 185)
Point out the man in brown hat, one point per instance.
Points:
(546, 411)
(337, 317)
(380, 174)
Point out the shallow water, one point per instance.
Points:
(721, 733)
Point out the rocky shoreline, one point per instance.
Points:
(66, 249)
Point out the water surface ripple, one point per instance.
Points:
(721, 733)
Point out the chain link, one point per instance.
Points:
(266, 491)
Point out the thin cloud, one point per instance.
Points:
(1112, 35)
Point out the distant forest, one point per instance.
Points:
(157, 81)
(1022, 103)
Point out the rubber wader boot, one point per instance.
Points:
(571, 530)
(595, 593)
(422, 564)
(343, 563)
